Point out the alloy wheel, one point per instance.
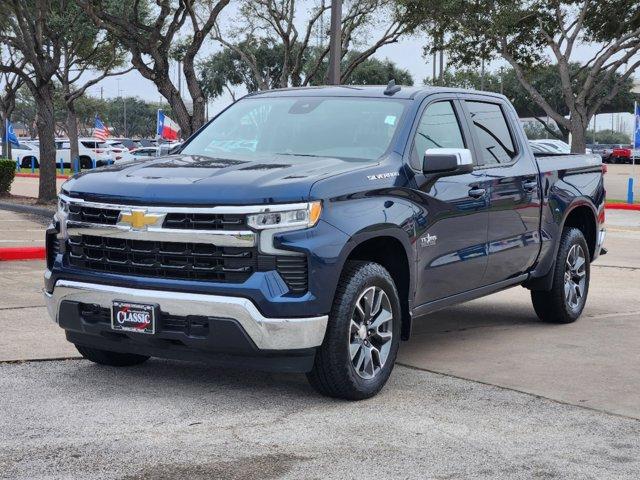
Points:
(575, 277)
(371, 332)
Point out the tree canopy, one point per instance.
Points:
(534, 33)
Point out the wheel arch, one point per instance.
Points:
(391, 248)
(582, 214)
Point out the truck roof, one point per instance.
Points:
(405, 92)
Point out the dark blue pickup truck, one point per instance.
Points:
(306, 229)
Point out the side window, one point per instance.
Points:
(490, 125)
(438, 128)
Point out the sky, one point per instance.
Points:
(407, 54)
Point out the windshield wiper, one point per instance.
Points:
(299, 154)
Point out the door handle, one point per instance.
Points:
(477, 192)
(530, 185)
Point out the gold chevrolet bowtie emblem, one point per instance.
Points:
(138, 219)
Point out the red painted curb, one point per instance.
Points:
(622, 206)
(33, 175)
(22, 253)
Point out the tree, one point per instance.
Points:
(34, 29)
(149, 33)
(84, 48)
(611, 137)
(544, 78)
(227, 69)
(529, 34)
(275, 27)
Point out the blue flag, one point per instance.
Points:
(636, 136)
(12, 138)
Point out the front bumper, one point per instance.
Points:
(266, 334)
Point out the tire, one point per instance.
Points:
(568, 295)
(26, 162)
(354, 362)
(112, 359)
(85, 163)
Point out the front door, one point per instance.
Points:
(452, 215)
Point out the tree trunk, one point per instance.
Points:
(179, 109)
(195, 91)
(45, 124)
(5, 145)
(578, 136)
(72, 132)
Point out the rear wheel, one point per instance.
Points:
(113, 359)
(361, 343)
(26, 162)
(566, 299)
(85, 163)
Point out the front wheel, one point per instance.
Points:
(361, 343)
(568, 295)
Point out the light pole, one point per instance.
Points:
(124, 109)
(335, 42)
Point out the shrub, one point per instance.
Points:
(7, 174)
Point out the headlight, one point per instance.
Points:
(287, 219)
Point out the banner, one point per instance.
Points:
(100, 131)
(11, 136)
(167, 129)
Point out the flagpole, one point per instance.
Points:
(635, 136)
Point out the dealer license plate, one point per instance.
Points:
(133, 317)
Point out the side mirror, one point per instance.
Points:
(447, 161)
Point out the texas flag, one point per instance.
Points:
(167, 128)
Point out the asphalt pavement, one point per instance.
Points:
(483, 390)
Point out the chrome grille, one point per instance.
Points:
(100, 216)
(204, 221)
(178, 260)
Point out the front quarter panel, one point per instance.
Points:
(367, 204)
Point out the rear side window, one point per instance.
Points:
(438, 128)
(492, 130)
(89, 144)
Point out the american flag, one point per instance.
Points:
(100, 131)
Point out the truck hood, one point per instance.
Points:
(199, 180)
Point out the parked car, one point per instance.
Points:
(147, 142)
(623, 154)
(119, 151)
(25, 153)
(558, 145)
(146, 153)
(129, 143)
(88, 150)
(306, 230)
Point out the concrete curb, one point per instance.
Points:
(622, 206)
(22, 253)
(34, 175)
(16, 207)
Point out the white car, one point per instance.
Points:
(119, 151)
(147, 153)
(557, 145)
(88, 150)
(26, 152)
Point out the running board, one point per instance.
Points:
(431, 307)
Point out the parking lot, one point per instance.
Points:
(482, 390)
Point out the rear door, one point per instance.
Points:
(513, 187)
(452, 216)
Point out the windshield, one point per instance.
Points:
(348, 128)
